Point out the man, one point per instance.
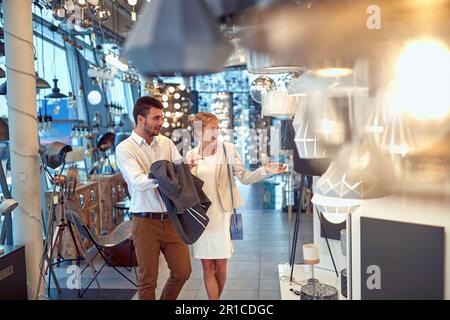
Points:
(152, 230)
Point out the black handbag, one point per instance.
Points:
(236, 226)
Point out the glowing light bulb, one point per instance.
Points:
(334, 72)
(177, 106)
(168, 114)
(177, 96)
(164, 97)
(171, 89)
(420, 88)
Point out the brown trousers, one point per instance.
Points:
(150, 238)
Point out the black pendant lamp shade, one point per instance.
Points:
(56, 94)
(2, 73)
(177, 37)
(40, 84)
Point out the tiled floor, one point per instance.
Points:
(253, 268)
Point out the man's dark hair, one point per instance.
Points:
(143, 104)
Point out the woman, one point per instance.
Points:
(209, 163)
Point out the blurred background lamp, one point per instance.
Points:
(263, 63)
(55, 154)
(279, 104)
(326, 80)
(94, 97)
(7, 206)
(260, 85)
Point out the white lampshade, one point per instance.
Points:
(311, 254)
(177, 37)
(307, 142)
(263, 63)
(279, 104)
(335, 209)
(359, 172)
(311, 82)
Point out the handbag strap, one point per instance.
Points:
(229, 178)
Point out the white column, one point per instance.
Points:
(23, 133)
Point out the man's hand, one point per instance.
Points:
(275, 168)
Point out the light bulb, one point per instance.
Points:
(168, 114)
(69, 5)
(165, 104)
(81, 3)
(334, 72)
(165, 98)
(171, 89)
(132, 2)
(177, 106)
(177, 96)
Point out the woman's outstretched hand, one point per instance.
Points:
(275, 168)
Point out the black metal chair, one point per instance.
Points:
(110, 241)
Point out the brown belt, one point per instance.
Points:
(152, 215)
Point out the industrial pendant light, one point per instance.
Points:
(56, 94)
(177, 37)
(41, 83)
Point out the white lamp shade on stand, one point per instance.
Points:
(279, 104)
(177, 37)
(263, 63)
(311, 253)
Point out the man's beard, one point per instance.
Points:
(150, 131)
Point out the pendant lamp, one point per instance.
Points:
(332, 81)
(56, 94)
(299, 115)
(40, 84)
(279, 104)
(2, 73)
(359, 172)
(177, 37)
(263, 63)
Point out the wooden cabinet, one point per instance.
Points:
(86, 201)
(112, 189)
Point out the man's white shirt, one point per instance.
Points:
(143, 190)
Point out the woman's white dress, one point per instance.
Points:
(215, 242)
